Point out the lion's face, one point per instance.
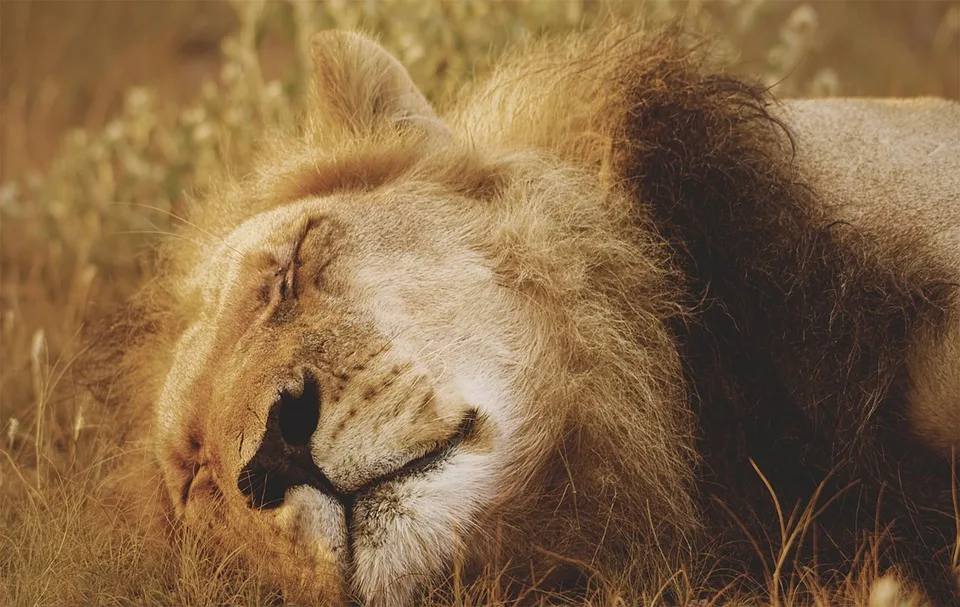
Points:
(380, 376)
(345, 402)
(347, 392)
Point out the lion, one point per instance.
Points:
(609, 315)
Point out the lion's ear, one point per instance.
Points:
(361, 88)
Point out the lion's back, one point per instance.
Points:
(891, 167)
(885, 163)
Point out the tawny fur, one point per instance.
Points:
(655, 291)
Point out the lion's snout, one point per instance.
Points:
(286, 457)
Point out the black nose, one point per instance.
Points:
(283, 459)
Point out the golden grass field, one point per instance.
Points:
(113, 114)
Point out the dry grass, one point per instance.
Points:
(80, 213)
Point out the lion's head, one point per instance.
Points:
(408, 346)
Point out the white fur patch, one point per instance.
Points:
(419, 527)
(314, 520)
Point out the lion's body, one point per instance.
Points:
(890, 167)
(558, 321)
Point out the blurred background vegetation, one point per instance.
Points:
(115, 113)
(68, 63)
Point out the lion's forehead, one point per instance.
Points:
(386, 230)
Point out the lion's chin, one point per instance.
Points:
(363, 555)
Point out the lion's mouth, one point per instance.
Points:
(283, 459)
(282, 463)
(465, 430)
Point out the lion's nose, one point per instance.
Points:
(283, 458)
(298, 414)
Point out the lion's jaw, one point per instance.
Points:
(343, 397)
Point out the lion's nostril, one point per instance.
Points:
(283, 458)
(298, 415)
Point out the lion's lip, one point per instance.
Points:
(265, 486)
(430, 460)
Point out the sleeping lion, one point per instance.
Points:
(613, 316)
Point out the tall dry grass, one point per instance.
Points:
(79, 215)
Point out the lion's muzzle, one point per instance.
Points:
(284, 459)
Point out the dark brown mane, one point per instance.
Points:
(795, 348)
